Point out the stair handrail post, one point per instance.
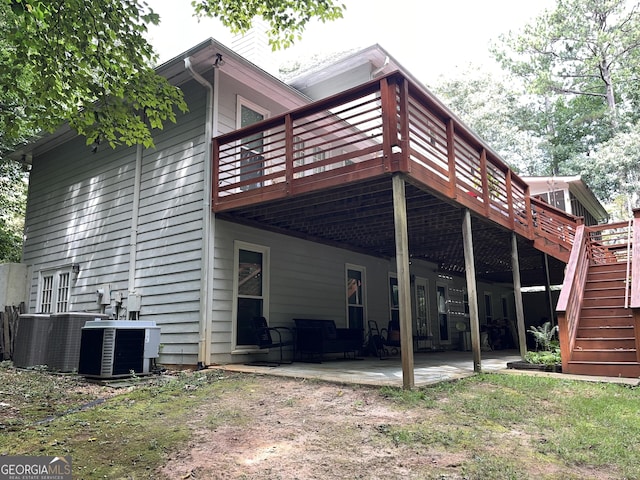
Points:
(635, 279)
(635, 261)
(628, 271)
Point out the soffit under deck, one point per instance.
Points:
(359, 217)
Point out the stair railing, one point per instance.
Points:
(571, 295)
(598, 244)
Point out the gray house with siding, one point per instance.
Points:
(200, 237)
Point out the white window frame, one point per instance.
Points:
(363, 275)
(447, 312)
(60, 290)
(392, 307)
(489, 317)
(266, 268)
(243, 102)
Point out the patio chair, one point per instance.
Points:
(392, 336)
(377, 340)
(264, 339)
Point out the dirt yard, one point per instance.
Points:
(292, 429)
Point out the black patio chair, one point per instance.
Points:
(264, 339)
(377, 340)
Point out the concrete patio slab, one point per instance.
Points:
(429, 368)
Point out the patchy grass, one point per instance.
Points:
(125, 436)
(487, 426)
(511, 425)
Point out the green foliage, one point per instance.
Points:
(544, 335)
(13, 194)
(287, 18)
(613, 168)
(87, 57)
(547, 343)
(88, 63)
(499, 112)
(545, 357)
(579, 63)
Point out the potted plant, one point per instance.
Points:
(547, 354)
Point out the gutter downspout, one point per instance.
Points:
(204, 346)
(135, 212)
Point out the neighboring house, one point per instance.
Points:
(570, 194)
(350, 194)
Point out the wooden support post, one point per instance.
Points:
(404, 282)
(547, 289)
(472, 291)
(517, 292)
(635, 278)
(405, 162)
(389, 123)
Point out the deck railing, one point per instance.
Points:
(387, 125)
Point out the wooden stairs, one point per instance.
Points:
(605, 341)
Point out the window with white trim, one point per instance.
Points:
(252, 149)
(251, 290)
(54, 290)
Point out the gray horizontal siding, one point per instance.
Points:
(80, 210)
(306, 280)
(169, 247)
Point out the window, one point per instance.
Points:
(394, 300)
(251, 290)
(318, 156)
(488, 308)
(54, 291)
(505, 307)
(555, 199)
(422, 307)
(251, 147)
(442, 300)
(355, 290)
(302, 158)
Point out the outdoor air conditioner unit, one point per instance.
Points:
(118, 348)
(63, 349)
(31, 339)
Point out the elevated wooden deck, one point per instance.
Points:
(331, 162)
